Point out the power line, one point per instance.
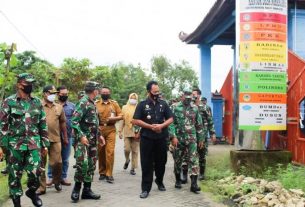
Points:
(22, 34)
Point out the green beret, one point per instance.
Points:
(26, 76)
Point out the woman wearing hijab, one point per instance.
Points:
(130, 133)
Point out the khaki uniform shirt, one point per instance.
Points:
(55, 115)
(107, 109)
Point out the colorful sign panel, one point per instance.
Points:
(261, 34)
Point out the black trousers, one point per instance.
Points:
(153, 158)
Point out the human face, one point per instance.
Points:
(105, 94)
(63, 95)
(25, 87)
(154, 92)
(196, 95)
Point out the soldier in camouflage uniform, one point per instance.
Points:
(207, 119)
(85, 123)
(24, 134)
(185, 132)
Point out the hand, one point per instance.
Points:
(120, 135)
(101, 141)
(1, 153)
(66, 142)
(213, 138)
(174, 142)
(201, 145)
(84, 141)
(44, 151)
(157, 128)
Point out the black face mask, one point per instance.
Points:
(63, 98)
(27, 89)
(154, 96)
(187, 101)
(105, 97)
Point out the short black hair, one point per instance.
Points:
(47, 88)
(106, 88)
(198, 90)
(150, 83)
(59, 88)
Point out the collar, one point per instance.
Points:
(108, 101)
(18, 98)
(149, 100)
(44, 103)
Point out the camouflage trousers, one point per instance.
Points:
(19, 161)
(86, 157)
(186, 151)
(202, 153)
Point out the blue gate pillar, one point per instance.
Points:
(218, 114)
(205, 72)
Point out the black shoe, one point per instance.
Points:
(126, 165)
(109, 179)
(160, 185)
(194, 187)
(202, 172)
(4, 171)
(102, 177)
(88, 194)
(178, 181)
(16, 202)
(132, 172)
(58, 187)
(37, 202)
(144, 194)
(75, 192)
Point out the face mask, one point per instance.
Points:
(133, 101)
(154, 96)
(63, 98)
(187, 101)
(51, 97)
(27, 89)
(105, 97)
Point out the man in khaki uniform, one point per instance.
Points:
(56, 122)
(109, 113)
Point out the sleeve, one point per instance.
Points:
(200, 130)
(118, 110)
(121, 123)
(4, 118)
(171, 127)
(167, 111)
(138, 112)
(62, 117)
(43, 129)
(210, 126)
(76, 119)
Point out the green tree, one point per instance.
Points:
(172, 78)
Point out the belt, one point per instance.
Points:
(105, 124)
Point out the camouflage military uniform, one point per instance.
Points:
(188, 129)
(85, 122)
(24, 133)
(207, 120)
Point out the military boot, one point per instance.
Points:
(194, 187)
(184, 174)
(202, 172)
(88, 194)
(16, 201)
(75, 192)
(31, 193)
(178, 181)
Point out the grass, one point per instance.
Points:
(218, 167)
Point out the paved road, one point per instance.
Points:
(125, 191)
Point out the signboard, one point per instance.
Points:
(261, 34)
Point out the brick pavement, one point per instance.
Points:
(125, 191)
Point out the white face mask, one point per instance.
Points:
(51, 97)
(133, 101)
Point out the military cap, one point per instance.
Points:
(50, 89)
(203, 99)
(26, 76)
(187, 93)
(92, 85)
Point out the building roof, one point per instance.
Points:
(218, 26)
